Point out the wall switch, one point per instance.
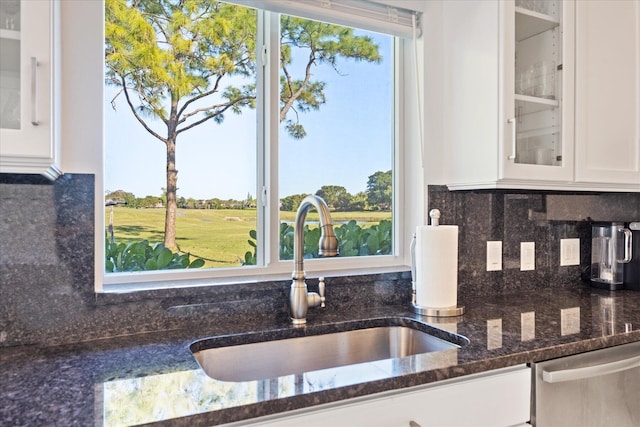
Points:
(527, 256)
(494, 256)
(569, 252)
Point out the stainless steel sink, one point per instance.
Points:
(287, 356)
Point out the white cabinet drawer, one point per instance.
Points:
(468, 401)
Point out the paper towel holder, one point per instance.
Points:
(437, 311)
(452, 311)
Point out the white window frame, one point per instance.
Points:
(83, 86)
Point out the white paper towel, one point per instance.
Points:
(436, 260)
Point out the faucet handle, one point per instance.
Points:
(321, 291)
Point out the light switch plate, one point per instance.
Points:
(494, 255)
(527, 256)
(569, 252)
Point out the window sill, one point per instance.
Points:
(220, 289)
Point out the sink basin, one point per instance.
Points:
(282, 355)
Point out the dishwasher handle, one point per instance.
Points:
(590, 371)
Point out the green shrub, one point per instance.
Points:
(250, 256)
(353, 240)
(142, 256)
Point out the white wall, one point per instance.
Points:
(434, 57)
(82, 32)
(82, 129)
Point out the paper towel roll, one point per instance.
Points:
(436, 258)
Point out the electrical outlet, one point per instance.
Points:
(527, 256)
(494, 256)
(569, 252)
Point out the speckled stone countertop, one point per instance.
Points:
(153, 378)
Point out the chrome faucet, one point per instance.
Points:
(299, 298)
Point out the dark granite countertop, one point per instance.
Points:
(153, 378)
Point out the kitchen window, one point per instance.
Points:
(293, 113)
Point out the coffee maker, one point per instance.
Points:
(615, 255)
(632, 268)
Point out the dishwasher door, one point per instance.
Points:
(596, 389)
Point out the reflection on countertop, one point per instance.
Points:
(153, 377)
(135, 401)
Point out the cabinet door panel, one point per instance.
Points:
(469, 402)
(608, 92)
(28, 82)
(537, 126)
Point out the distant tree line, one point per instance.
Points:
(121, 197)
(378, 196)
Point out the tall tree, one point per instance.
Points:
(336, 196)
(324, 44)
(379, 190)
(291, 203)
(172, 58)
(358, 201)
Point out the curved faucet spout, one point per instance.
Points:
(328, 245)
(299, 298)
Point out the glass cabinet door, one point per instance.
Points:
(538, 66)
(10, 102)
(29, 79)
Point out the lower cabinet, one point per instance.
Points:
(495, 398)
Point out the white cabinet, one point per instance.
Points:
(497, 398)
(28, 85)
(608, 92)
(522, 109)
(507, 109)
(536, 118)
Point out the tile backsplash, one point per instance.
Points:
(47, 262)
(513, 217)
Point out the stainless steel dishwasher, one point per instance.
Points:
(595, 389)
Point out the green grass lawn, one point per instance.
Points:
(218, 235)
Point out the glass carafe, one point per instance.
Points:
(610, 249)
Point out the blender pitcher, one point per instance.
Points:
(610, 249)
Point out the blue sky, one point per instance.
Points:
(347, 140)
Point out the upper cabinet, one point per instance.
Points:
(510, 95)
(536, 117)
(29, 106)
(607, 109)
